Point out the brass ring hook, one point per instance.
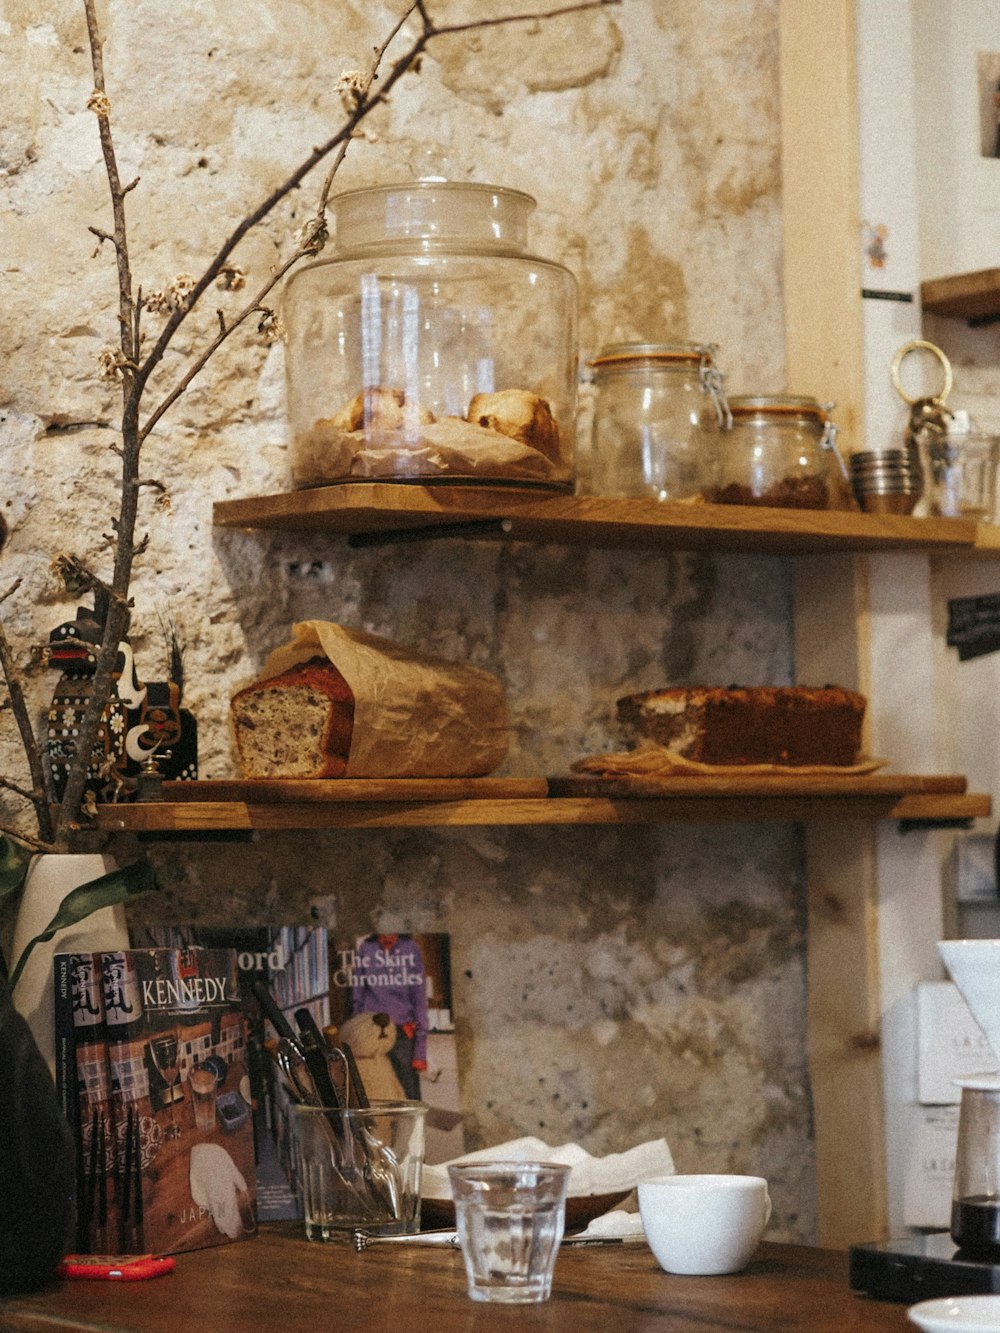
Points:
(903, 353)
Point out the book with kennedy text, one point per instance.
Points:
(292, 962)
(151, 1069)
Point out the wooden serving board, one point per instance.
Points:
(306, 791)
(730, 784)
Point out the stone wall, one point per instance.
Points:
(611, 984)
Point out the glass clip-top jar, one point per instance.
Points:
(432, 346)
(659, 411)
(777, 453)
(975, 1207)
(962, 463)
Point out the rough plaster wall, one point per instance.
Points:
(975, 357)
(612, 985)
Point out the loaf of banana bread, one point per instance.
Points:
(793, 725)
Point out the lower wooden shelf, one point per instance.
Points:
(208, 807)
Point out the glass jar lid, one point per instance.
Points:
(616, 354)
(432, 214)
(780, 404)
(693, 359)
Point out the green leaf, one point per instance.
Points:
(107, 891)
(14, 858)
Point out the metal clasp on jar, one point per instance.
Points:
(828, 440)
(711, 380)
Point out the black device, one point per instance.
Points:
(920, 1268)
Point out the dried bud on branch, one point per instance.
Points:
(99, 103)
(270, 326)
(175, 296)
(76, 578)
(110, 362)
(312, 236)
(179, 291)
(351, 89)
(231, 278)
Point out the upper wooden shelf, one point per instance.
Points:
(375, 512)
(971, 296)
(216, 806)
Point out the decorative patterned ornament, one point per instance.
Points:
(164, 729)
(73, 648)
(138, 721)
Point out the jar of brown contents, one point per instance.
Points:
(777, 453)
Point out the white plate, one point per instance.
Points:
(958, 1314)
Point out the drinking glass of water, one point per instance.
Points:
(510, 1218)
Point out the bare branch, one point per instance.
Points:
(365, 105)
(369, 79)
(504, 20)
(18, 790)
(26, 838)
(225, 332)
(116, 623)
(22, 715)
(102, 108)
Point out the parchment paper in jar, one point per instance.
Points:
(414, 715)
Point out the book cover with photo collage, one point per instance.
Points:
(151, 1070)
(292, 961)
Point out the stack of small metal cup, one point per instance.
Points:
(887, 481)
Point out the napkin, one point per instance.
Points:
(616, 1225)
(615, 1174)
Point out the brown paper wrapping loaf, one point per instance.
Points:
(414, 715)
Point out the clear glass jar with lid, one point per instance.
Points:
(432, 346)
(659, 413)
(777, 453)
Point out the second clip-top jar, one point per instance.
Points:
(659, 412)
(432, 346)
(777, 453)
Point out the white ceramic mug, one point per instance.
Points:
(704, 1224)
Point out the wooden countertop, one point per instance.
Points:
(278, 1280)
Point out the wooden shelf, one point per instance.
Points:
(372, 512)
(386, 511)
(971, 296)
(207, 807)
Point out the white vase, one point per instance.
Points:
(49, 879)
